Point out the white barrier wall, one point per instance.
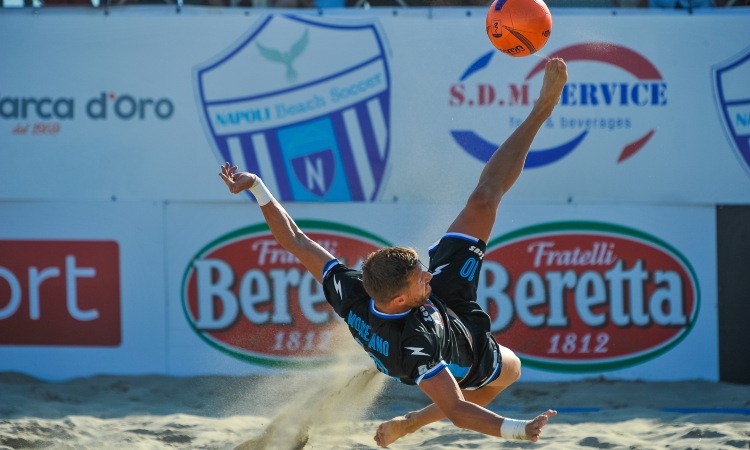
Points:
(578, 291)
(360, 101)
(637, 295)
(113, 218)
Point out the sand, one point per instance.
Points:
(341, 409)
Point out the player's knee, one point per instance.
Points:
(485, 199)
(515, 372)
(511, 366)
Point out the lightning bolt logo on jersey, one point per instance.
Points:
(274, 104)
(417, 351)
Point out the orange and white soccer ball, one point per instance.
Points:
(518, 27)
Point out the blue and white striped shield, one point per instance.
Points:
(305, 104)
(733, 100)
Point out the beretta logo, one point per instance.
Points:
(246, 296)
(587, 296)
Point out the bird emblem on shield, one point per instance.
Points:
(732, 94)
(303, 103)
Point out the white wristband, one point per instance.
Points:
(261, 192)
(514, 429)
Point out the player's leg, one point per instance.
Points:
(388, 432)
(510, 372)
(504, 167)
(477, 219)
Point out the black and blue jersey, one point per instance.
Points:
(449, 331)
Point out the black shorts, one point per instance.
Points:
(455, 263)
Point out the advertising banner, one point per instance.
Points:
(352, 107)
(81, 289)
(577, 292)
(62, 284)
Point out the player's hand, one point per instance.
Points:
(236, 181)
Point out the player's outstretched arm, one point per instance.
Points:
(281, 224)
(447, 396)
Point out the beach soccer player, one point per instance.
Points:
(424, 327)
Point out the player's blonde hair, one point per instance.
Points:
(386, 272)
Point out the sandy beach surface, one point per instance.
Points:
(341, 409)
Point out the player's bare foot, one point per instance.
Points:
(390, 431)
(555, 77)
(534, 427)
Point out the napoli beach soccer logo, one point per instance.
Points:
(618, 98)
(732, 99)
(305, 104)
